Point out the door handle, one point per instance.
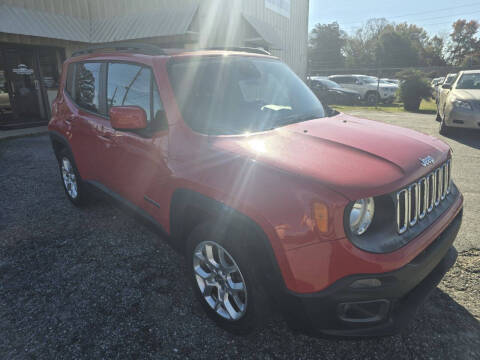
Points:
(69, 119)
(107, 136)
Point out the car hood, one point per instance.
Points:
(465, 94)
(352, 156)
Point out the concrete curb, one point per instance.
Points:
(13, 134)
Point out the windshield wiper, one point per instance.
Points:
(292, 119)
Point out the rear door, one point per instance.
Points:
(86, 118)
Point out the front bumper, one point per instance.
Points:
(463, 118)
(342, 310)
(387, 96)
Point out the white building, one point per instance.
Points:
(37, 35)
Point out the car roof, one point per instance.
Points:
(471, 72)
(172, 53)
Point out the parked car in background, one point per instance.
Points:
(391, 81)
(437, 81)
(448, 80)
(371, 90)
(329, 92)
(274, 204)
(459, 103)
(434, 84)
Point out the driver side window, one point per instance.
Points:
(135, 85)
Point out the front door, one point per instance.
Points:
(137, 168)
(20, 89)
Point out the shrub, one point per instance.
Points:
(413, 89)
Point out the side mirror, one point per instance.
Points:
(447, 86)
(128, 118)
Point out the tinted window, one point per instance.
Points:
(329, 83)
(450, 79)
(338, 80)
(69, 80)
(234, 95)
(129, 85)
(343, 80)
(87, 86)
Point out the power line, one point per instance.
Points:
(447, 16)
(424, 12)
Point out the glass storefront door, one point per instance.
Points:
(28, 78)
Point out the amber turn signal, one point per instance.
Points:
(320, 213)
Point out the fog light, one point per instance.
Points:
(364, 311)
(366, 283)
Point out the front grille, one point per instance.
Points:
(417, 201)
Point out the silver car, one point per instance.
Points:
(459, 103)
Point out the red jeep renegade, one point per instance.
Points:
(342, 224)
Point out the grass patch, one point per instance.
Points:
(426, 107)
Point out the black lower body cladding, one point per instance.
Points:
(383, 308)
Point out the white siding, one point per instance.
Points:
(293, 31)
(218, 21)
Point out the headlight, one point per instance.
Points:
(462, 105)
(361, 215)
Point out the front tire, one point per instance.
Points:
(223, 279)
(372, 98)
(72, 182)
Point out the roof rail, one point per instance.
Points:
(143, 48)
(240, 48)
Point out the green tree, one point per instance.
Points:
(471, 60)
(380, 43)
(464, 40)
(325, 46)
(360, 49)
(394, 49)
(433, 54)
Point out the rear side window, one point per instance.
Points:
(133, 85)
(87, 86)
(340, 80)
(69, 80)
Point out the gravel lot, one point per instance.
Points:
(96, 283)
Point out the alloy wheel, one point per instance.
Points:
(220, 280)
(69, 178)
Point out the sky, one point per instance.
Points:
(435, 16)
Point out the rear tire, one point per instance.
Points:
(223, 278)
(74, 187)
(444, 129)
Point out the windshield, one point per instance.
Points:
(469, 81)
(450, 78)
(234, 95)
